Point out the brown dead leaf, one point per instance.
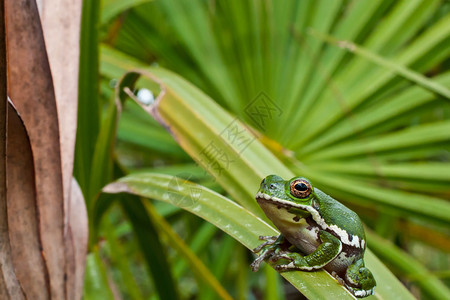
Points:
(61, 22)
(9, 285)
(31, 88)
(23, 220)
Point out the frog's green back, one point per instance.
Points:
(335, 213)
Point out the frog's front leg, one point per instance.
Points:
(327, 251)
(359, 280)
(267, 249)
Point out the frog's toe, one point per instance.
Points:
(256, 264)
(268, 238)
(260, 247)
(360, 293)
(281, 255)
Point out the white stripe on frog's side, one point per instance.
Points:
(344, 236)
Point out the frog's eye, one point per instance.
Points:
(300, 188)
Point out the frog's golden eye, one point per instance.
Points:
(301, 188)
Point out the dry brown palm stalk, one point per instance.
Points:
(43, 222)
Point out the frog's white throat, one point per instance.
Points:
(344, 235)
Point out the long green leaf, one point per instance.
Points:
(95, 280)
(378, 116)
(111, 8)
(409, 265)
(88, 105)
(196, 264)
(390, 65)
(102, 164)
(414, 171)
(152, 249)
(417, 136)
(200, 240)
(120, 261)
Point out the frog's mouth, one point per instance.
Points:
(261, 197)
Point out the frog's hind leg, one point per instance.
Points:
(326, 252)
(359, 280)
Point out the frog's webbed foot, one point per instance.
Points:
(359, 280)
(267, 249)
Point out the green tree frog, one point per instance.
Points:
(326, 233)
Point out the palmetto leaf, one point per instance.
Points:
(369, 125)
(209, 125)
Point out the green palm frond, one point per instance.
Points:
(353, 94)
